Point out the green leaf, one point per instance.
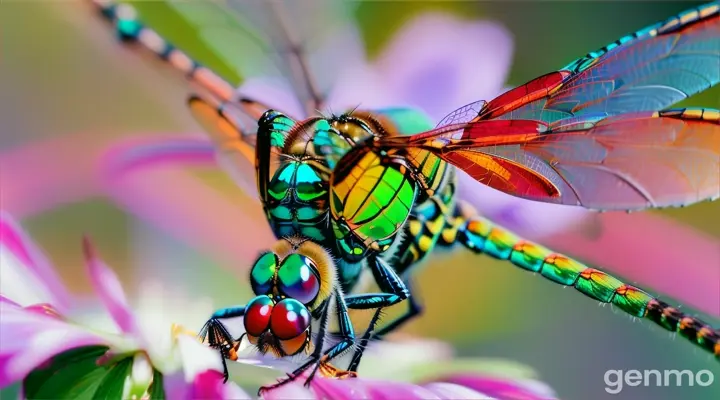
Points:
(113, 382)
(62, 371)
(157, 391)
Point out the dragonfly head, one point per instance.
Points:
(291, 283)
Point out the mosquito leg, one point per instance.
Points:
(482, 236)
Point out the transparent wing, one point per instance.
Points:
(626, 162)
(648, 70)
(302, 44)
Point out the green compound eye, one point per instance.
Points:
(298, 278)
(262, 273)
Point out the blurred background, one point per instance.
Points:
(69, 91)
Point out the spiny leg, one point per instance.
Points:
(394, 290)
(347, 334)
(481, 236)
(360, 349)
(219, 337)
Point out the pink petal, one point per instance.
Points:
(4, 301)
(181, 209)
(140, 152)
(446, 390)
(345, 389)
(110, 291)
(28, 339)
(440, 63)
(35, 188)
(42, 279)
(209, 385)
(290, 391)
(201, 376)
(497, 388)
(389, 390)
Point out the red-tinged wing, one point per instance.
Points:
(627, 162)
(648, 70)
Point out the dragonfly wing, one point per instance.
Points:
(648, 70)
(289, 42)
(626, 162)
(235, 146)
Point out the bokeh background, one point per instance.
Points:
(69, 90)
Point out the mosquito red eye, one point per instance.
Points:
(262, 273)
(257, 315)
(289, 319)
(298, 278)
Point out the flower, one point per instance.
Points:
(41, 340)
(38, 342)
(410, 368)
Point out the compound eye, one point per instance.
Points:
(262, 273)
(257, 315)
(298, 278)
(289, 319)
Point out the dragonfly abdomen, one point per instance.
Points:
(480, 235)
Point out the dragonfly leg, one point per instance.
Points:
(319, 360)
(482, 236)
(218, 337)
(360, 348)
(394, 289)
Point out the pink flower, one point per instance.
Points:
(38, 341)
(40, 336)
(410, 368)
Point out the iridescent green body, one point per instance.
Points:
(297, 191)
(377, 206)
(398, 220)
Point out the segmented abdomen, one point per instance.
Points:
(481, 235)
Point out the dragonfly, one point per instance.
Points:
(364, 190)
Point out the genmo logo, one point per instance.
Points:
(616, 379)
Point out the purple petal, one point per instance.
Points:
(498, 388)
(440, 63)
(108, 288)
(364, 87)
(43, 283)
(28, 339)
(274, 93)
